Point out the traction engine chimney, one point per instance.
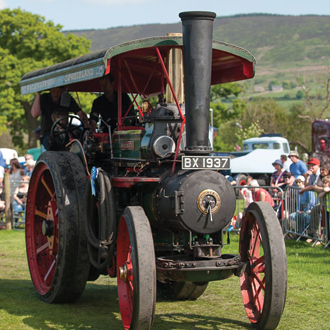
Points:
(197, 30)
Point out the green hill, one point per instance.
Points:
(271, 38)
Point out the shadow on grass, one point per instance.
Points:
(97, 309)
(179, 321)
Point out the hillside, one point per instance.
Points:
(272, 39)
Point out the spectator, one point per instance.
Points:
(278, 177)
(44, 105)
(326, 186)
(312, 175)
(260, 194)
(2, 207)
(286, 166)
(290, 194)
(323, 147)
(298, 167)
(20, 195)
(289, 180)
(29, 166)
(246, 192)
(326, 200)
(321, 152)
(305, 203)
(27, 157)
(2, 160)
(324, 171)
(16, 172)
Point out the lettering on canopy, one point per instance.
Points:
(64, 79)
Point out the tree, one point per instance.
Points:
(300, 94)
(286, 84)
(315, 107)
(300, 131)
(272, 118)
(251, 131)
(223, 113)
(28, 42)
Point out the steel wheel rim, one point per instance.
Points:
(125, 284)
(41, 257)
(253, 280)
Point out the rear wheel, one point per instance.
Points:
(55, 227)
(172, 290)
(264, 281)
(136, 270)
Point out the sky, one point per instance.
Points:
(103, 14)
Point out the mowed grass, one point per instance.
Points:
(220, 307)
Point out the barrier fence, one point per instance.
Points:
(300, 215)
(12, 211)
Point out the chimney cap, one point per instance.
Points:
(205, 15)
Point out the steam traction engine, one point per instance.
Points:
(147, 203)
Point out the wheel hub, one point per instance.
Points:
(47, 228)
(123, 273)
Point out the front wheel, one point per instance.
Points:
(264, 281)
(136, 270)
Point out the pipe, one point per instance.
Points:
(197, 30)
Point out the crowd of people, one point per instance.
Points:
(19, 177)
(310, 182)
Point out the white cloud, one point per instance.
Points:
(119, 2)
(3, 4)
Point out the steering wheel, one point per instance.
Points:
(63, 131)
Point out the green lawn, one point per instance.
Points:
(221, 307)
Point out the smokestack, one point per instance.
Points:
(197, 30)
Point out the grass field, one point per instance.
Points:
(221, 307)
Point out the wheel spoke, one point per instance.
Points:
(258, 280)
(259, 265)
(43, 181)
(42, 248)
(49, 270)
(131, 289)
(258, 297)
(40, 214)
(255, 241)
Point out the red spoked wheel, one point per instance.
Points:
(136, 270)
(55, 227)
(264, 281)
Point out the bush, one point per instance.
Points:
(300, 94)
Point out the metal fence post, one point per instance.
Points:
(7, 201)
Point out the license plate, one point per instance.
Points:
(205, 162)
